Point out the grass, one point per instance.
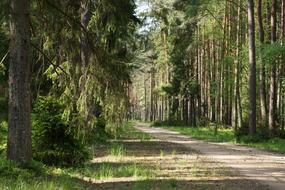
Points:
(206, 133)
(127, 131)
(39, 176)
(36, 176)
(274, 145)
(117, 150)
(227, 135)
(107, 170)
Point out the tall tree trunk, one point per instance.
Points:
(236, 113)
(213, 82)
(252, 71)
(263, 105)
(145, 101)
(152, 95)
(273, 83)
(282, 67)
(19, 147)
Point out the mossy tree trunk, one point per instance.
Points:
(19, 132)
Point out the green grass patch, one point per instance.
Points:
(227, 135)
(274, 145)
(127, 131)
(103, 171)
(117, 150)
(33, 177)
(205, 133)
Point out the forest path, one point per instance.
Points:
(264, 167)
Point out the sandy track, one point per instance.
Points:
(264, 167)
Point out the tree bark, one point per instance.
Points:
(263, 105)
(19, 147)
(236, 103)
(273, 83)
(252, 71)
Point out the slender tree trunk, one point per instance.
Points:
(236, 108)
(282, 67)
(263, 105)
(252, 64)
(273, 75)
(19, 147)
(145, 101)
(152, 95)
(213, 82)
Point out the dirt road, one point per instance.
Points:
(261, 166)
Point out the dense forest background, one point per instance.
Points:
(213, 61)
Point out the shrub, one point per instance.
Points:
(251, 139)
(54, 141)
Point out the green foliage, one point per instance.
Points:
(3, 136)
(99, 135)
(3, 108)
(3, 53)
(272, 52)
(2, 66)
(54, 140)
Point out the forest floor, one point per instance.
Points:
(256, 166)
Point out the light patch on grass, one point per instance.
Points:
(105, 171)
(162, 153)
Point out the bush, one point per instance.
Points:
(54, 141)
(242, 135)
(3, 136)
(251, 139)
